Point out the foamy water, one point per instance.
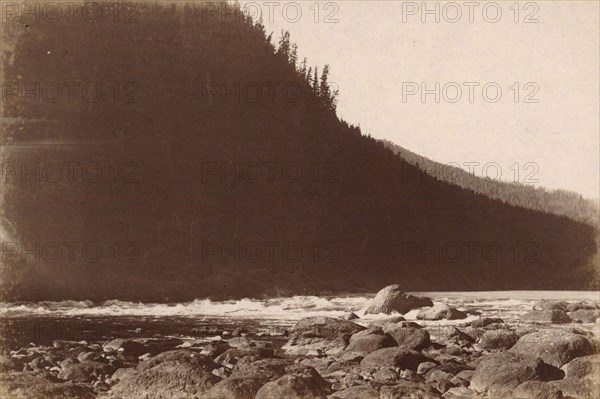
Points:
(507, 303)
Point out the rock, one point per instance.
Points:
(244, 387)
(554, 316)
(385, 376)
(511, 369)
(409, 337)
(350, 316)
(425, 367)
(20, 385)
(176, 374)
(458, 336)
(232, 355)
(388, 321)
(370, 340)
(391, 298)
(466, 375)
(299, 382)
(550, 305)
(214, 349)
(460, 393)
(583, 367)
(241, 342)
(498, 340)
(356, 392)
(129, 348)
(585, 315)
(7, 363)
(86, 371)
(399, 357)
(441, 311)
(324, 334)
(238, 332)
(271, 368)
(553, 347)
(572, 307)
(453, 350)
(409, 390)
(121, 373)
(528, 389)
(578, 388)
(486, 321)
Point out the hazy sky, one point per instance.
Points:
(379, 50)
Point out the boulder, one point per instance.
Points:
(554, 347)
(585, 315)
(232, 355)
(572, 307)
(409, 337)
(409, 390)
(545, 304)
(528, 389)
(370, 340)
(461, 393)
(578, 388)
(350, 316)
(178, 374)
(393, 299)
(356, 392)
(441, 311)
(425, 367)
(299, 382)
(553, 316)
(20, 385)
(86, 371)
(583, 367)
(511, 369)
(485, 321)
(129, 348)
(498, 340)
(241, 387)
(320, 334)
(400, 357)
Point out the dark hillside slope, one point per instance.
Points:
(558, 202)
(204, 194)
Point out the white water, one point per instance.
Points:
(506, 303)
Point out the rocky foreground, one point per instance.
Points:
(549, 355)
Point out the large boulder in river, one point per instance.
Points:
(299, 382)
(320, 334)
(554, 316)
(393, 299)
(441, 311)
(511, 369)
(397, 357)
(554, 347)
(178, 374)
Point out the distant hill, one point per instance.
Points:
(557, 202)
(181, 181)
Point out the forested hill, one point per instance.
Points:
(188, 157)
(557, 202)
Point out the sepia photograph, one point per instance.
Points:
(310, 199)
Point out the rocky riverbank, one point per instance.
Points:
(552, 354)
